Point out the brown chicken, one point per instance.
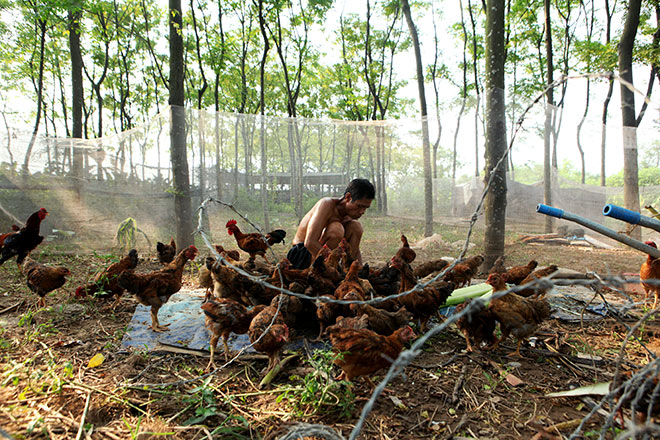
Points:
(421, 303)
(498, 266)
(154, 289)
(107, 282)
(232, 255)
(650, 270)
(351, 283)
(290, 308)
(382, 321)
(365, 352)
(229, 283)
(269, 340)
(42, 279)
(348, 258)
(536, 275)
(166, 252)
(429, 267)
(352, 322)
(224, 316)
(518, 273)
(478, 324)
(517, 315)
(462, 273)
(326, 313)
(255, 243)
(405, 252)
(23, 241)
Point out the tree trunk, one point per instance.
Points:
(75, 16)
(547, 127)
(606, 103)
(630, 179)
(495, 202)
(428, 181)
(40, 86)
(579, 129)
(180, 172)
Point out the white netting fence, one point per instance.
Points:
(129, 175)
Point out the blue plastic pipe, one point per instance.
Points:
(629, 216)
(635, 244)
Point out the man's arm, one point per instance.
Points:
(317, 223)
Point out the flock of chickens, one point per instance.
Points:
(238, 301)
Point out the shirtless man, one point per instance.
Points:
(330, 220)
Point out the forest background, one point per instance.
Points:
(91, 69)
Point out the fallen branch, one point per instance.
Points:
(458, 386)
(10, 308)
(81, 426)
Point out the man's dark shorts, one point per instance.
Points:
(299, 256)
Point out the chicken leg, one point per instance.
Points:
(212, 345)
(155, 325)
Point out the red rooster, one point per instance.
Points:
(254, 243)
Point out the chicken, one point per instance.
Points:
(166, 252)
(479, 324)
(269, 340)
(107, 281)
(228, 283)
(14, 228)
(348, 259)
(365, 352)
(382, 321)
(642, 392)
(325, 267)
(42, 279)
(462, 273)
(254, 243)
(518, 273)
(22, 242)
(430, 267)
(352, 322)
(405, 252)
(205, 279)
(232, 255)
(224, 316)
(516, 314)
(326, 313)
(536, 275)
(421, 303)
(290, 308)
(498, 266)
(650, 270)
(384, 280)
(154, 289)
(351, 283)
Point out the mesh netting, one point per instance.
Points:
(129, 175)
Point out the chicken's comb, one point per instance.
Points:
(43, 210)
(231, 222)
(193, 248)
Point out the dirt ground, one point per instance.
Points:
(47, 387)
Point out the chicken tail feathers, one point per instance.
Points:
(276, 236)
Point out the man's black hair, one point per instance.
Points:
(360, 189)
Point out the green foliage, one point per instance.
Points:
(320, 393)
(202, 400)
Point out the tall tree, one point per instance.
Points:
(182, 203)
(628, 119)
(428, 181)
(40, 26)
(549, 112)
(77, 90)
(495, 202)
